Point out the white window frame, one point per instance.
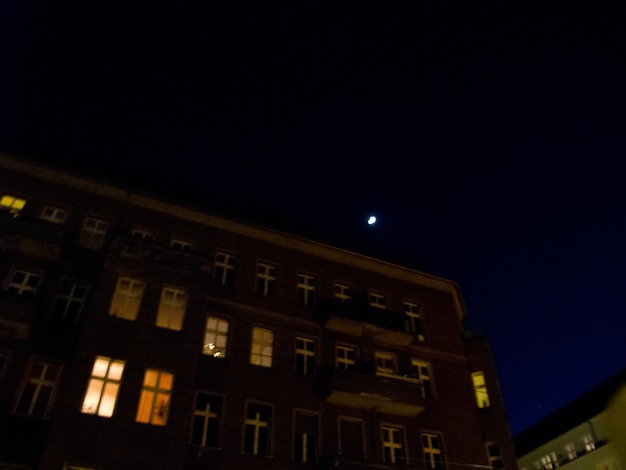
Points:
(93, 233)
(215, 336)
(378, 300)
(129, 298)
(430, 451)
(158, 411)
(304, 351)
(24, 286)
(342, 291)
(180, 244)
(172, 307)
(412, 317)
(425, 379)
(266, 279)
(206, 415)
(226, 263)
(342, 361)
(52, 213)
(40, 382)
(71, 298)
(258, 424)
(386, 363)
(390, 444)
(143, 234)
(303, 443)
(104, 385)
(306, 289)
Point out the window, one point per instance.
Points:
(38, 389)
(92, 233)
(589, 442)
(262, 345)
(155, 397)
(215, 337)
(305, 356)
(495, 456)
(104, 385)
(342, 292)
(549, 461)
(433, 452)
(225, 269)
(24, 282)
(351, 438)
(412, 318)
(421, 371)
(386, 363)
(480, 389)
(265, 279)
(306, 290)
(570, 451)
(305, 438)
(143, 234)
(392, 445)
(345, 358)
(172, 309)
(127, 298)
(206, 416)
(181, 245)
(256, 439)
(12, 203)
(378, 300)
(69, 303)
(53, 214)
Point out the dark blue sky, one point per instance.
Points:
(489, 140)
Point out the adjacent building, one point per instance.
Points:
(587, 433)
(138, 333)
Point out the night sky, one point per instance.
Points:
(488, 140)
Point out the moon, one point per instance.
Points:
(371, 220)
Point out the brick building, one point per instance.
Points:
(139, 333)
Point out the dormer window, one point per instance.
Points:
(13, 204)
(378, 300)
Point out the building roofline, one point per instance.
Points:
(232, 225)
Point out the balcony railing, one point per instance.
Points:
(31, 237)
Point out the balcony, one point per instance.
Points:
(33, 238)
(158, 256)
(356, 317)
(386, 393)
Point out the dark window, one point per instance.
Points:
(205, 426)
(305, 438)
(257, 429)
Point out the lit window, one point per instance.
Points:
(305, 438)
(23, 282)
(206, 416)
(386, 363)
(412, 318)
(181, 245)
(69, 303)
(570, 451)
(13, 204)
(256, 439)
(306, 290)
(127, 298)
(378, 300)
(549, 461)
(262, 346)
(305, 356)
(215, 337)
(104, 385)
(345, 357)
(225, 269)
(421, 371)
(392, 445)
(480, 389)
(342, 292)
(495, 456)
(351, 438)
(589, 442)
(155, 397)
(172, 309)
(142, 234)
(53, 214)
(265, 279)
(433, 452)
(92, 233)
(38, 389)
